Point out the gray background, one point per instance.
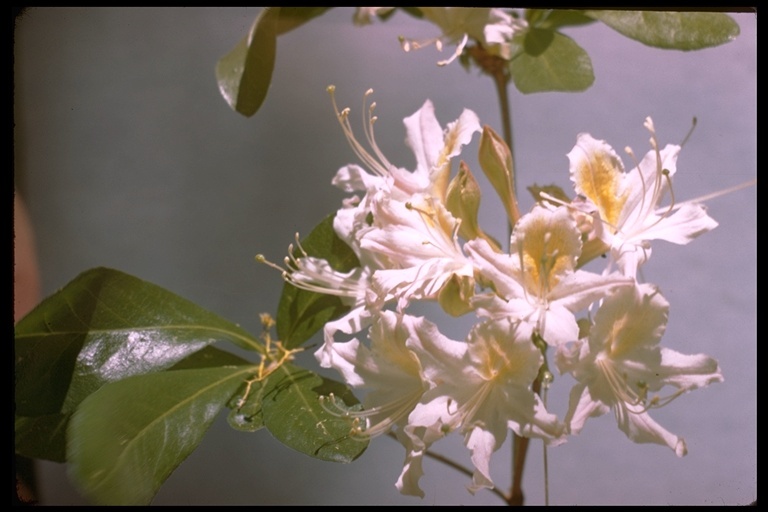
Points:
(129, 158)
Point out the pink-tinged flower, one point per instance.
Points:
(621, 364)
(493, 28)
(480, 388)
(629, 204)
(537, 283)
(420, 239)
(433, 147)
(388, 371)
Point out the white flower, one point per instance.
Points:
(400, 227)
(628, 204)
(492, 28)
(483, 388)
(420, 238)
(388, 370)
(537, 283)
(621, 363)
(432, 146)
(392, 373)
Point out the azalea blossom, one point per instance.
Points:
(481, 388)
(537, 284)
(629, 204)
(420, 238)
(493, 28)
(433, 148)
(388, 370)
(392, 373)
(621, 363)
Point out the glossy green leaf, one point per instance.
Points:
(209, 357)
(551, 61)
(42, 437)
(247, 414)
(301, 313)
(671, 30)
(104, 326)
(244, 74)
(294, 415)
(126, 438)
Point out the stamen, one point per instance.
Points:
(690, 132)
(362, 425)
(560, 202)
(380, 166)
(317, 275)
(623, 391)
(459, 49)
(261, 259)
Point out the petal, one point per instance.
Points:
(500, 269)
(351, 178)
(579, 289)
(687, 223)
(688, 371)
(481, 443)
(582, 407)
(424, 137)
(630, 318)
(598, 173)
(558, 325)
(641, 428)
(645, 185)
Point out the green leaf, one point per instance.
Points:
(671, 30)
(247, 414)
(42, 437)
(301, 313)
(551, 61)
(555, 18)
(127, 438)
(102, 327)
(294, 415)
(209, 357)
(244, 74)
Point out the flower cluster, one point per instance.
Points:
(416, 236)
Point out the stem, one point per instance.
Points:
(501, 80)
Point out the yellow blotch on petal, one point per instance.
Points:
(598, 174)
(549, 245)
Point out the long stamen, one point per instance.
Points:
(316, 275)
(380, 166)
(369, 135)
(690, 132)
(623, 391)
(661, 215)
(658, 184)
(431, 221)
(362, 424)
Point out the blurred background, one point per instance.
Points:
(127, 156)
